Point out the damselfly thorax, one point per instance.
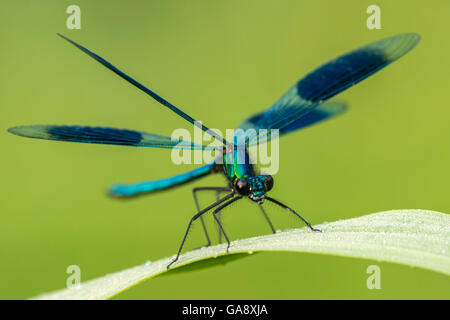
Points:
(242, 174)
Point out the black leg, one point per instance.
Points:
(199, 214)
(290, 210)
(267, 218)
(218, 190)
(217, 210)
(220, 218)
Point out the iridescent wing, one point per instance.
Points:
(322, 112)
(151, 93)
(331, 79)
(103, 135)
(130, 190)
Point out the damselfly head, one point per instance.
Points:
(254, 187)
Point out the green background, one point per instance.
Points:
(220, 61)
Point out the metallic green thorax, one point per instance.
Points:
(236, 163)
(242, 175)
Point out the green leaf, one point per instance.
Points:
(417, 238)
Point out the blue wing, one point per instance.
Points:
(322, 112)
(333, 78)
(144, 88)
(102, 135)
(130, 190)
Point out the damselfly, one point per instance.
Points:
(302, 105)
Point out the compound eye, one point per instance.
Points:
(242, 186)
(268, 182)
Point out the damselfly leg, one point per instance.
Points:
(267, 218)
(293, 212)
(217, 210)
(197, 204)
(198, 215)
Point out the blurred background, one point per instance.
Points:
(220, 61)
